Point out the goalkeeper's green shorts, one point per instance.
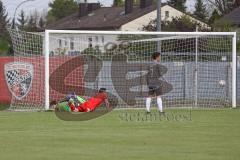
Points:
(63, 106)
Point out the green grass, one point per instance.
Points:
(211, 135)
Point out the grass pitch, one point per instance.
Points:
(211, 135)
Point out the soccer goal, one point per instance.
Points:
(198, 69)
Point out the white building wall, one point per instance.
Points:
(81, 42)
(137, 24)
(74, 44)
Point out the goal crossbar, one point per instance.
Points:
(138, 32)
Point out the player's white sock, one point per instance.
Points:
(159, 102)
(148, 104)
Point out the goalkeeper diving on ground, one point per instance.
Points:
(77, 103)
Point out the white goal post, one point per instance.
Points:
(201, 66)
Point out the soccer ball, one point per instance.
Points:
(222, 83)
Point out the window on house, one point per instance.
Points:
(103, 39)
(72, 44)
(96, 39)
(60, 43)
(166, 14)
(90, 42)
(65, 42)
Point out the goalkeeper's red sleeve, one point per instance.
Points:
(71, 105)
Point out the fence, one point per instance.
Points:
(180, 75)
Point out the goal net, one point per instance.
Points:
(197, 69)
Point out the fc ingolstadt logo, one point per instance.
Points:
(19, 78)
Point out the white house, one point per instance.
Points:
(167, 14)
(92, 16)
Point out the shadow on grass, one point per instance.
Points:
(68, 116)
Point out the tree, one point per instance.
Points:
(22, 20)
(118, 3)
(200, 10)
(42, 22)
(60, 9)
(223, 26)
(182, 24)
(224, 6)
(4, 35)
(3, 20)
(215, 16)
(178, 4)
(36, 22)
(32, 23)
(236, 4)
